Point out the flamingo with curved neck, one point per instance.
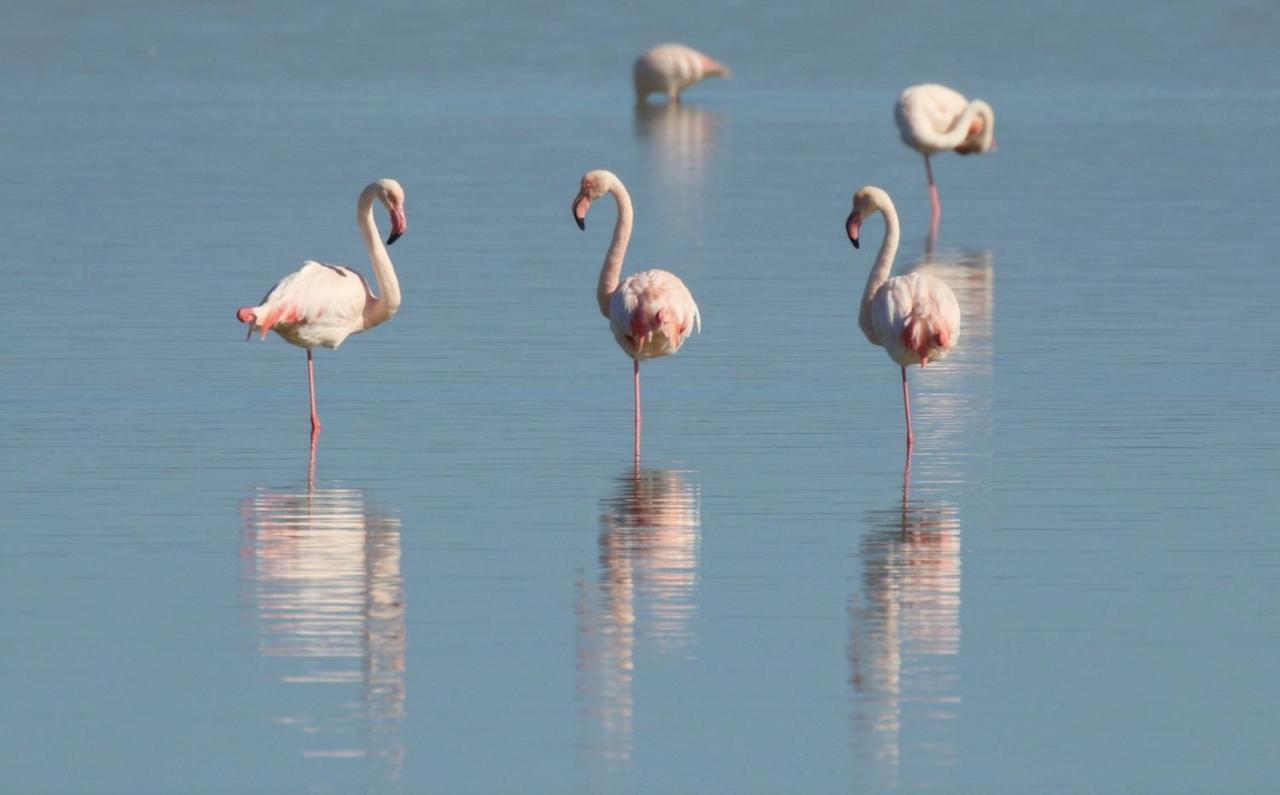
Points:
(651, 313)
(932, 119)
(321, 305)
(914, 317)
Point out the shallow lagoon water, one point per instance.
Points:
(471, 588)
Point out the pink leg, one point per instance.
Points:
(933, 200)
(637, 387)
(311, 381)
(906, 403)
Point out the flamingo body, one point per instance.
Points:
(933, 118)
(321, 305)
(929, 120)
(669, 69)
(914, 317)
(318, 305)
(652, 313)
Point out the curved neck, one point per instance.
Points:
(611, 271)
(379, 308)
(959, 132)
(880, 271)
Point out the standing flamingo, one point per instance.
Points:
(933, 118)
(915, 317)
(651, 313)
(321, 304)
(671, 68)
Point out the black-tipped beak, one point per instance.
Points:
(580, 207)
(398, 224)
(851, 225)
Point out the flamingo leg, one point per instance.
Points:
(311, 382)
(906, 404)
(933, 200)
(637, 389)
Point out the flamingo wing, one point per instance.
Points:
(654, 301)
(916, 318)
(926, 112)
(317, 304)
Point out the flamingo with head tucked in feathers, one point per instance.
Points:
(322, 305)
(651, 313)
(933, 118)
(915, 317)
(669, 69)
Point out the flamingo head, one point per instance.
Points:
(866, 202)
(982, 131)
(391, 195)
(594, 185)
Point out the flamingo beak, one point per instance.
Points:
(852, 225)
(580, 207)
(398, 224)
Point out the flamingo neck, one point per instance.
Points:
(611, 271)
(378, 308)
(959, 132)
(880, 270)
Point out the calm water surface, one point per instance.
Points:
(470, 588)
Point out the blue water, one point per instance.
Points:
(471, 588)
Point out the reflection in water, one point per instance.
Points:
(322, 569)
(682, 139)
(648, 584)
(904, 635)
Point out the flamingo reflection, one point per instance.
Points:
(649, 539)
(322, 569)
(904, 635)
(682, 139)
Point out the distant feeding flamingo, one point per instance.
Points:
(323, 304)
(933, 118)
(651, 313)
(915, 317)
(671, 68)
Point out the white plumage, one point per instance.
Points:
(657, 300)
(669, 69)
(919, 305)
(318, 305)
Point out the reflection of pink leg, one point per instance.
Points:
(637, 386)
(906, 404)
(311, 462)
(311, 381)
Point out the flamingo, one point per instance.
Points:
(651, 313)
(671, 68)
(321, 304)
(915, 317)
(933, 118)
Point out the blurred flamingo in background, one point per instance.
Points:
(932, 119)
(671, 68)
(915, 317)
(651, 313)
(323, 304)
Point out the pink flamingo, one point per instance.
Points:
(651, 313)
(671, 68)
(915, 317)
(933, 118)
(321, 304)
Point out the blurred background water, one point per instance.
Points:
(1074, 589)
